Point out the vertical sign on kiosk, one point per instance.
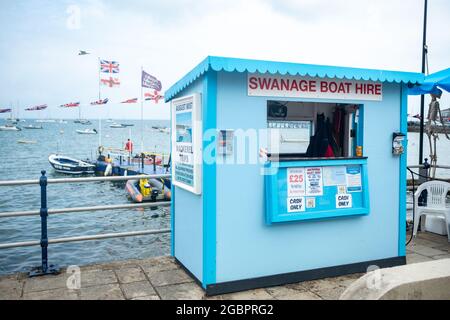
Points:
(186, 143)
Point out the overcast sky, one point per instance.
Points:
(39, 42)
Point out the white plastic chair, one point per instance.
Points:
(437, 192)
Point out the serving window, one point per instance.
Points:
(313, 130)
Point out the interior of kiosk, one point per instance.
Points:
(312, 129)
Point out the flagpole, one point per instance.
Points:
(142, 114)
(99, 114)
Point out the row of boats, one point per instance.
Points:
(138, 190)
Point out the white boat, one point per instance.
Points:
(87, 131)
(9, 127)
(62, 121)
(164, 130)
(30, 126)
(70, 165)
(46, 120)
(110, 120)
(26, 141)
(116, 125)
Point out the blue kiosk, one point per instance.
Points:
(286, 172)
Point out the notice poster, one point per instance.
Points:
(343, 201)
(295, 182)
(296, 204)
(186, 143)
(334, 176)
(314, 183)
(354, 179)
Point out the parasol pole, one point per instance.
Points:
(422, 97)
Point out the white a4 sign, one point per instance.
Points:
(187, 143)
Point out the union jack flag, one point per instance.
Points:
(134, 100)
(41, 107)
(109, 66)
(99, 102)
(111, 82)
(5, 110)
(153, 96)
(70, 105)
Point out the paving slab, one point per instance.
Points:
(257, 294)
(443, 256)
(137, 289)
(153, 297)
(97, 277)
(103, 292)
(416, 258)
(328, 289)
(47, 282)
(286, 293)
(55, 294)
(128, 275)
(182, 291)
(158, 264)
(169, 277)
(426, 251)
(10, 288)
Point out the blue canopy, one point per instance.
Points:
(433, 84)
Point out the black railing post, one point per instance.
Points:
(44, 268)
(154, 163)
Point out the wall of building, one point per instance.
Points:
(188, 217)
(247, 248)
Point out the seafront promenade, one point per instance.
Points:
(162, 278)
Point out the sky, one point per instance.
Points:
(40, 40)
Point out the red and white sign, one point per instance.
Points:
(309, 87)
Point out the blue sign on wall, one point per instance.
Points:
(316, 189)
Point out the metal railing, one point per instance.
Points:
(43, 212)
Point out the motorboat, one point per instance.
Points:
(147, 190)
(127, 124)
(30, 126)
(116, 125)
(85, 122)
(65, 164)
(9, 127)
(87, 131)
(46, 120)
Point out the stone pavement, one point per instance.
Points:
(162, 278)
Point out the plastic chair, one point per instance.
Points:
(436, 196)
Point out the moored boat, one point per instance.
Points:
(87, 131)
(9, 127)
(147, 190)
(116, 125)
(23, 141)
(30, 126)
(69, 165)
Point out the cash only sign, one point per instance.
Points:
(186, 143)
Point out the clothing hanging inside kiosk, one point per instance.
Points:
(328, 139)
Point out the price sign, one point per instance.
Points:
(295, 182)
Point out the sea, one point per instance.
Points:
(25, 161)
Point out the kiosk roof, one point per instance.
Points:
(272, 67)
